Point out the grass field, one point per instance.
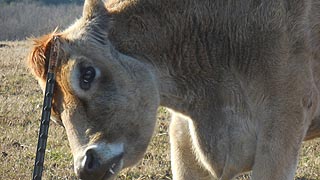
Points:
(20, 104)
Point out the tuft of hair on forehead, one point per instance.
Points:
(37, 62)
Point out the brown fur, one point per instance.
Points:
(37, 58)
(241, 78)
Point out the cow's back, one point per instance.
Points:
(195, 36)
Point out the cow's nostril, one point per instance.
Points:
(96, 164)
(91, 161)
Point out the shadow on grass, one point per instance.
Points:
(4, 45)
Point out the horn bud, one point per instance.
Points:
(93, 8)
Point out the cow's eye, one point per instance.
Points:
(87, 76)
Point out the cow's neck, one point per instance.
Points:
(181, 92)
(164, 40)
(173, 40)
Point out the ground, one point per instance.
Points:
(20, 111)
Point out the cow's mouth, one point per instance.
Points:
(113, 166)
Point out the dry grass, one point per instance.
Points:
(25, 19)
(21, 101)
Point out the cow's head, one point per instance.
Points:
(106, 101)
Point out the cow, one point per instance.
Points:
(241, 79)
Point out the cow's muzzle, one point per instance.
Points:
(99, 163)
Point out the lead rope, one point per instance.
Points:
(46, 109)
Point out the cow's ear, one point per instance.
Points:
(93, 8)
(37, 57)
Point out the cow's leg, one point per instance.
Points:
(276, 158)
(183, 159)
(280, 135)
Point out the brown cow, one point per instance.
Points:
(241, 78)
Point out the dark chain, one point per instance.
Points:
(46, 110)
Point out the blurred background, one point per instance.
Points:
(20, 19)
